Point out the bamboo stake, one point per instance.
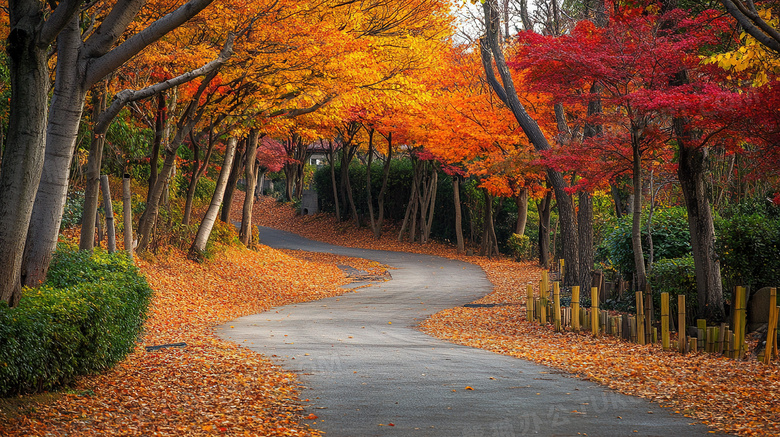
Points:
(529, 303)
(721, 337)
(594, 311)
(557, 306)
(575, 308)
(701, 325)
(772, 327)
(774, 339)
(739, 312)
(543, 308)
(640, 319)
(665, 321)
(681, 333)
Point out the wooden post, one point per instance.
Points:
(529, 303)
(701, 326)
(557, 306)
(575, 308)
(772, 326)
(739, 318)
(543, 310)
(127, 215)
(665, 321)
(109, 207)
(594, 311)
(721, 337)
(640, 319)
(544, 287)
(681, 335)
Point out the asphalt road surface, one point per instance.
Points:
(368, 372)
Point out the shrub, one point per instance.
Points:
(671, 239)
(675, 276)
(74, 207)
(85, 318)
(521, 247)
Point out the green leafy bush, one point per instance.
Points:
(671, 239)
(84, 319)
(748, 246)
(675, 276)
(74, 208)
(521, 247)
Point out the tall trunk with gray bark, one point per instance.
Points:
(207, 224)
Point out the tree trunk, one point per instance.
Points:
(65, 115)
(250, 172)
(22, 158)
(127, 215)
(585, 229)
(369, 200)
(109, 207)
(235, 173)
(94, 164)
(636, 230)
(458, 213)
(491, 50)
(160, 123)
(545, 208)
(334, 187)
(411, 206)
(383, 190)
(521, 200)
(207, 224)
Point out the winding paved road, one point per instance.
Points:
(365, 366)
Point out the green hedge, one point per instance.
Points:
(748, 247)
(84, 319)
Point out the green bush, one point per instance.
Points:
(675, 276)
(521, 247)
(671, 239)
(748, 246)
(84, 319)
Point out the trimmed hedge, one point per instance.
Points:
(84, 319)
(675, 276)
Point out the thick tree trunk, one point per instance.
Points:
(250, 172)
(65, 115)
(207, 224)
(521, 200)
(458, 213)
(25, 145)
(585, 229)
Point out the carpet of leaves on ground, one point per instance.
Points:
(738, 397)
(209, 387)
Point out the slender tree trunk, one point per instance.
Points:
(458, 213)
(127, 215)
(94, 164)
(434, 185)
(636, 229)
(369, 199)
(545, 208)
(521, 200)
(160, 123)
(491, 50)
(410, 207)
(207, 224)
(383, 190)
(250, 172)
(334, 186)
(22, 159)
(109, 207)
(235, 174)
